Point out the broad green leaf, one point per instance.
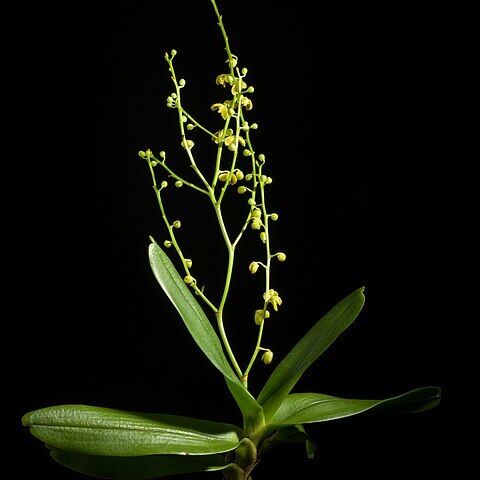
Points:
(138, 468)
(202, 332)
(299, 408)
(106, 431)
(307, 350)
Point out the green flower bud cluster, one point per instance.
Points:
(172, 100)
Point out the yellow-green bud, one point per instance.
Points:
(181, 82)
(188, 279)
(263, 178)
(248, 177)
(269, 180)
(167, 243)
(261, 157)
(274, 217)
(251, 201)
(267, 357)
(253, 267)
(162, 154)
(256, 224)
(223, 177)
(239, 175)
(254, 126)
(173, 52)
(178, 183)
(263, 237)
(247, 153)
(250, 89)
(188, 263)
(281, 257)
(177, 224)
(261, 315)
(256, 213)
(241, 189)
(184, 119)
(164, 184)
(142, 154)
(190, 126)
(187, 143)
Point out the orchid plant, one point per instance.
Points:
(126, 445)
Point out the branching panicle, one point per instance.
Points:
(232, 140)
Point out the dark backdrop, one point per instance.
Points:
(347, 104)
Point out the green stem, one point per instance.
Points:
(228, 279)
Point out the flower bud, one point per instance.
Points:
(274, 217)
(269, 180)
(162, 154)
(188, 279)
(239, 175)
(261, 157)
(176, 224)
(181, 82)
(241, 189)
(164, 184)
(178, 183)
(263, 237)
(254, 126)
(267, 357)
(251, 201)
(247, 153)
(188, 263)
(190, 126)
(256, 213)
(167, 243)
(142, 154)
(261, 315)
(281, 257)
(256, 224)
(187, 143)
(253, 267)
(173, 53)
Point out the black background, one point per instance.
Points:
(349, 113)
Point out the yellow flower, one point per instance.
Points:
(222, 109)
(272, 297)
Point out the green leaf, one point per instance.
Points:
(289, 434)
(203, 332)
(138, 468)
(299, 408)
(106, 431)
(307, 350)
